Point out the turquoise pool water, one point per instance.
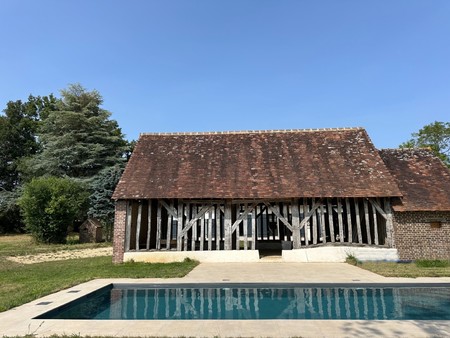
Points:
(260, 301)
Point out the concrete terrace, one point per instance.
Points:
(18, 321)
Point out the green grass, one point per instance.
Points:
(22, 283)
(422, 268)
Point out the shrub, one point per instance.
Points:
(352, 260)
(49, 205)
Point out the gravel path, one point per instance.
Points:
(61, 255)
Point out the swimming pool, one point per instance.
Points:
(260, 301)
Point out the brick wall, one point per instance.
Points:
(119, 231)
(415, 238)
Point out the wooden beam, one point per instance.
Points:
(330, 219)
(202, 233)
(210, 221)
(349, 221)
(194, 227)
(315, 205)
(246, 230)
(279, 216)
(322, 223)
(237, 228)
(180, 221)
(169, 223)
(203, 210)
(240, 218)
(158, 227)
(227, 225)
(254, 229)
(314, 223)
(378, 207)
(218, 226)
(187, 210)
(358, 220)
(375, 224)
(296, 239)
(170, 208)
(340, 222)
(305, 225)
(390, 239)
(366, 217)
(149, 222)
(288, 236)
(138, 224)
(128, 227)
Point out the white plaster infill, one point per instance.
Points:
(338, 254)
(228, 256)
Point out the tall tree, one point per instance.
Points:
(78, 139)
(18, 126)
(101, 206)
(435, 136)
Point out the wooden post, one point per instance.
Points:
(211, 217)
(330, 220)
(390, 239)
(349, 221)
(169, 227)
(366, 215)
(218, 226)
(237, 228)
(305, 212)
(322, 224)
(340, 222)
(180, 219)
(375, 225)
(158, 227)
(194, 227)
(296, 240)
(188, 218)
(254, 228)
(227, 226)
(138, 224)
(314, 224)
(245, 225)
(202, 232)
(149, 222)
(128, 227)
(358, 220)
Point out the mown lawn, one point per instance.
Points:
(439, 268)
(22, 283)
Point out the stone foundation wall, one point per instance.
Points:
(422, 235)
(119, 231)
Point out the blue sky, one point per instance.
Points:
(208, 65)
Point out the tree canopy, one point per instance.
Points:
(78, 138)
(50, 205)
(435, 136)
(70, 137)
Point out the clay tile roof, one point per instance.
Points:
(423, 179)
(256, 164)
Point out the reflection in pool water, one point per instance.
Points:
(259, 302)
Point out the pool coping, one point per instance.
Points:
(18, 321)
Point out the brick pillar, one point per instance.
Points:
(119, 231)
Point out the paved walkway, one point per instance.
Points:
(18, 321)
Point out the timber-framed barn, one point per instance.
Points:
(311, 195)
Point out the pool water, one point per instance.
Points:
(260, 301)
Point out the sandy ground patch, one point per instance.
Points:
(61, 255)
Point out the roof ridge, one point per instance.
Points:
(250, 131)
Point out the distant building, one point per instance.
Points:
(314, 195)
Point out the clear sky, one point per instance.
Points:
(209, 65)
